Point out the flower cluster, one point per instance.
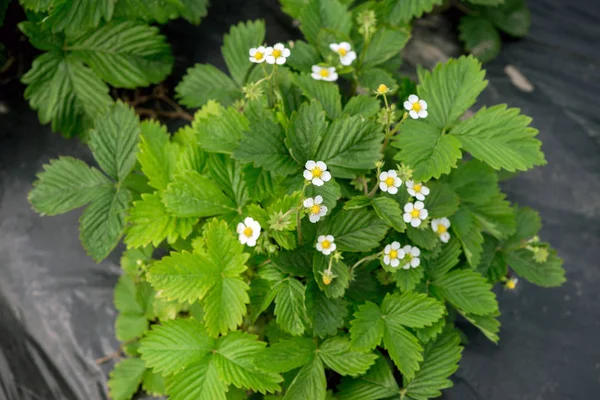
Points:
(329, 73)
(276, 54)
(408, 255)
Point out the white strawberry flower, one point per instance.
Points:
(392, 254)
(277, 54)
(344, 49)
(440, 227)
(415, 213)
(411, 257)
(316, 172)
(325, 244)
(389, 181)
(315, 207)
(417, 190)
(248, 231)
(258, 54)
(324, 73)
(416, 108)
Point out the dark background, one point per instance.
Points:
(56, 311)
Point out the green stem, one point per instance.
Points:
(363, 260)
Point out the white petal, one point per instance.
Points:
(321, 238)
(407, 105)
(271, 60)
(348, 59)
(434, 225)
(262, 49)
(307, 175)
(413, 114)
(383, 186)
(387, 249)
(408, 207)
(319, 246)
(419, 196)
(346, 46)
(326, 176)
(332, 77)
(251, 242)
(334, 46)
(322, 165)
(243, 239)
(415, 222)
(401, 254)
(248, 221)
(445, 237)
(326, 251)
(413, 98)
(397, 182)
(323, 211)
(386, 260)
(407, 218)
(395, 245)
(395, 262)
(308, 202)
(423, 104)
(319, 199)
(392, 190)
(252, 52)
(383, 176)
(415, 252)
(268, 50)
(445, 221)
(316, 76)
(332, 247)
(406, 266)
(310, 164)
(410, 184)
(411, 192)
(279, 46)
(423, 114)
(425, 190)
(314, 218)
(240, 227)
(286, 53)
(280, 60)
(316, 68)
(415, 262)
(419, 205)
(392, 173)
(330, 238)
(423, 214)
(317, 182)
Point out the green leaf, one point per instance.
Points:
(549, 273)
(351, 145)
(234, 359)
(259, 182)
(367, 326)
(130, 326)
(339, 285)
(286, 355)
(502, 138)
(199, 381)
(355, 230)
(480, 36)
(370, 79)
(365, 106)
(442, 201)
(528, 224)
(426, 150)
(157, 155)
(408, 279)
(326, 93)
(423, 237)
(319, 14)
(468, 291)
(175, 345)
(153, 383)
(160, 11)
(195, 10)
(378, 383)
(450, 89)
(496, 217)
(440, 362)
(114, 141)
(79, 15)
(103, 222)
(125, 378)
(150, 222)
(429, 333)
(475, 182)
(66, 184)
(390, 212)
(236, 44)
(404, 349)
(487, 324)
(202, 83)
(326, 315)
(513, 17)
(306, 131)
(309, 383)
(290, 308)
(414, 310)
(125, 54)
(385, 44)
(227, 173)
(193, 195)
(65, 92)
(468, 231)
(131, 321)
(303, 56)
(297, 262)
(444, 261)
(337, 355)
(402, 12)
(221, 130)
(36, 5)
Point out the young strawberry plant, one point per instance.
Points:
(302, 239)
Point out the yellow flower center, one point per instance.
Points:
(315, 209)
(417, 187)
(327, 279)
(276, 53)
(415, 213)
(382, 89)
(247, 231)
(342, 52)
(258, 55)
(324, 73)
(394, 254)
(511, 284)
(317, 172)
(326, 244)
(389, 181)
(441, 229)
(416, 106)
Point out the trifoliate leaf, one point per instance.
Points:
(408, 279)
(326, 315)
(447, 259)
(390, 212)
(468, 231)
(125, 378)
(549, 273)
(199, 381)
(414, 310)
(66, 184)
(340, 283)
(319, 14)
(351, 145)
(303, 56)
(337, 355)
(385, 44)
(426, 150)
(125, 53)
(153, 383)
(309, 383)
(480, 36)
(502, 138)
(355, 230)
(157, 155)
(440, 362)
(234, 359)
(487, 324)
(450, 89)
(404, 348)
(442, 201)
(193, 195)
(513, 17)
(365, 106)
(286, 355)
(367, 326)
(202, 83)
(467, 290)
(402, 12)
(306, 131)
(78, 16)
(241, 38)
(378, 383)
(326, 93)
(290, 307)
(103, 222)
(221, 130)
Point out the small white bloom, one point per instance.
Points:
(315, 207)
(344, 49)
(389, 181)
(325, 244)
(415, 213)
(416, 108)
(511, 284)
(417, 190)
(316, 172)
(258, 54)
(248, 231)
(440, 227)
(324, 73)
(392, 254)
(411, 257)
(277, 54)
